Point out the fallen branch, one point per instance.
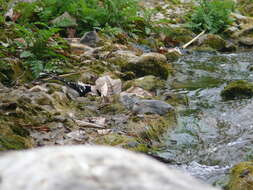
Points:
(193, 40)
(88, 125)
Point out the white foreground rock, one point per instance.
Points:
(89, 168)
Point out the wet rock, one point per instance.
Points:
(237, 90)
(89, 167)
(149, 64)
(90, 38)
(142, 106)
(149, 83)
(241, 177)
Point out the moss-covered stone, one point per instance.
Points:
(213, 41)
(237, 90)
(241, 177)
(149, 64)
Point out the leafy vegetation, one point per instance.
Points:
(90, 14)
(212, 16)
(37, 48)
(39, 44)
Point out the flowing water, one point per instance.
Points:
(212, 135)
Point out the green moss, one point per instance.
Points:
(237, 90)
(203, 82)
(140, 148)
(215, 42)
(241, 177)
(11, 139)
(12, 142)
(113, 140)
(150, 67)
(19, 130)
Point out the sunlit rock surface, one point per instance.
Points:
(90, 168)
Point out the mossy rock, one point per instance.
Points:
(213, 41)
(149, 83)
(149, 64)
(241, 177)
(237, 90)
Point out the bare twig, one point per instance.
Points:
(193, 40)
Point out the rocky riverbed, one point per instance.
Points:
(189, 106)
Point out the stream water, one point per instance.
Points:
(212, 135)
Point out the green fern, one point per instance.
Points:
(212, 16)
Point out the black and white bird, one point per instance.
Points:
(80, 87)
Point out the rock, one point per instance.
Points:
(247, 41)
(79, 49)
(89, 167)
(247, 29)
(90, 39)
(237, 90)
(241, 177)
(149, 83)
(108, 86)
(143, 106)
(125, 55)
(139, 92)
(149, 64)
(213, 41)
(64, 21)
(241, 18)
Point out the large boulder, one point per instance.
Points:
(91, 168)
